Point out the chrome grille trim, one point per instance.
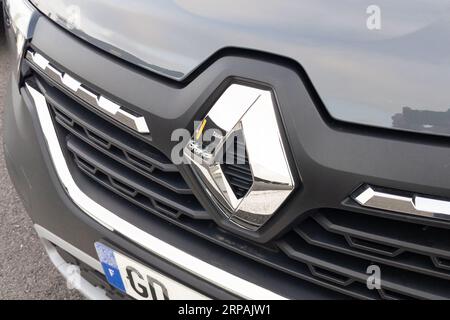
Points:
(99, 102)
(418, 205)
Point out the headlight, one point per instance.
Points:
(19, 16)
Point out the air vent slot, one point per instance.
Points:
(236, 167)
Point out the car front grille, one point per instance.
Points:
(330, 248)
(339, 246)
(120, 161)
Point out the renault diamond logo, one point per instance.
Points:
(250, 182)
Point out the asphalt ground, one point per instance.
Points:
(25, 270)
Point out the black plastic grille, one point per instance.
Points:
(411, 257)
(131, 185)
(236, 167)
(126, 165)
(330, 248)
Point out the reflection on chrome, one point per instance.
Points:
(402, 202)
(250, 111)
(110, 108)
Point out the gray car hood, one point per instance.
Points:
(394, 77)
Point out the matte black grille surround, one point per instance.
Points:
(299, 242)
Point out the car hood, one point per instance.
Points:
(396, 76)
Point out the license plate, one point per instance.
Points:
(139, 281)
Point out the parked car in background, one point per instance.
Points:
(266, 150)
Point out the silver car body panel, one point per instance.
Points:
(394, 76)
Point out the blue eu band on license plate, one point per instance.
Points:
(139, 281)
(110, 267)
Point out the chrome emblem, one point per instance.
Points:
(251, 112)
